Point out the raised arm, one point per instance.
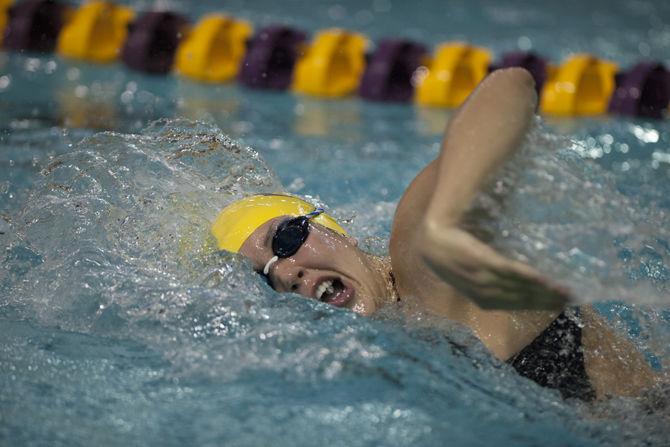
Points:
(483, 134)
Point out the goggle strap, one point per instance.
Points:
(314, 213)
(267, 267)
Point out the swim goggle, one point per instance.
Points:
(289, 237)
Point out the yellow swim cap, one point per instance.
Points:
(237, 221)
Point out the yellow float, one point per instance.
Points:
(214, 49)
(583, 85)
(332, 66)
(95, 32)
(4, 16)
(451, 75)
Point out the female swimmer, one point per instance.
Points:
(520, 316)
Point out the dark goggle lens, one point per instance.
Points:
(290, 236)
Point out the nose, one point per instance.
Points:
(289, 276)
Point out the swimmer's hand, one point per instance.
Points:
(480, 273)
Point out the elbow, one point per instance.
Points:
(516, 82)
(518, 75)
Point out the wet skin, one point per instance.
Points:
(359, 280)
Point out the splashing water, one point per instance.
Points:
(566, 216)
(122, 323)
(551, 208)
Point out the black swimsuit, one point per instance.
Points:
(555, 359)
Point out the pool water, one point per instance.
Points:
(121, 325)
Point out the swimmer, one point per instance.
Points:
(519, 315)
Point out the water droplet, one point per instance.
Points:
(127, 97)
(32, 64)
(524, 43)
(5, 81)
(73, 74)
(50, 67)
(81, 91)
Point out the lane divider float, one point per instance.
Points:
(95, 32)
(4, 16)
(213, 50)
(644, 90)
(270, 57)
(332, 65)
(152, 41)
(34, 25)
(390, 71)
(582, 85)
(452, 74)
(335, 63)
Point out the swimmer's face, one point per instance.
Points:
(328, 267)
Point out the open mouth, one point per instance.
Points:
(334, 291)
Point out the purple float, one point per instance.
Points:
(388, 76)
(270, 58)
(536, 65)
(152, 41)
(642, 91)
(34, 25)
